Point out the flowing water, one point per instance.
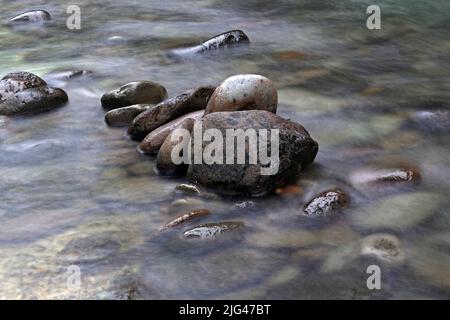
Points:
(76, 194)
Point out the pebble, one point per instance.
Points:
(212, 230)
(326, 203)
(185, 218)
(125, 115)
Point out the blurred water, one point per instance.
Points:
(75, 192)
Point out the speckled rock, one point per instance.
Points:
(384, 175)
(244, 92)
(296, 150)
(164, 163)
(154, 140)
(24, 92)
(187, 189)
(138, 92)
(326, 203)
(222, 41)
(189, 101)
(385, 247)
(212, 230)
(124, 116)
(33, 17)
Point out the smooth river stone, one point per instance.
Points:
(222, 41)
(34, 17)
(138, 92)
(326, 203)
(170, 109)
(24, 92)
(244, 92)
(124, 116)
(154, 140)
(164, 163)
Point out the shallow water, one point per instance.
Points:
(76, 192)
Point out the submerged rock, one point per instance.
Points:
(296, 150)
(435, 121)
(24, 92)
(185, 218)
(154, 140)
(124, 116)
(212, 230)
(244, 92)
(399, 211)
(222, 41)
(384, 247)
(187, 102)
(241, 206)
(326, 203)
(188, 188)
(164, 163)
(382, 176)
(61, 77)
(34, 17)
(138, 92)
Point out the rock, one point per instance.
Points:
(398, 212)
(326, 203)
(187, 189)
(382, 176)
(186, 217)
(164, 163)
(60, 77)
(189, 101)
(296, 150)
(212, 230)
(244, 92)
(124, 116)
(154, 140)
(139, 92)
(34, 17)
(24, 92)
(435, 121)
(222, 41)
(384, 247)
(245, 205)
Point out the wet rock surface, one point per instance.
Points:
(170, 109)
(124, 116)
(296, 150)
(24, 92)
(138, 92)
(154, 140)
(244, 92)
(31, 17)
(211, 231)
(437, 121)
(326, 203)
(185, 218)
(164, 163)
(220, 42)
(373, 176)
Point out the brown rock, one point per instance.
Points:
(186, 217)
(154, 140)
(326, 202)
(188, 101)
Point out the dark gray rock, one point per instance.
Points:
(296, 150)
(138, 92)
(222, 41)
(124, 116)
(188, 101)
(24, 92)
